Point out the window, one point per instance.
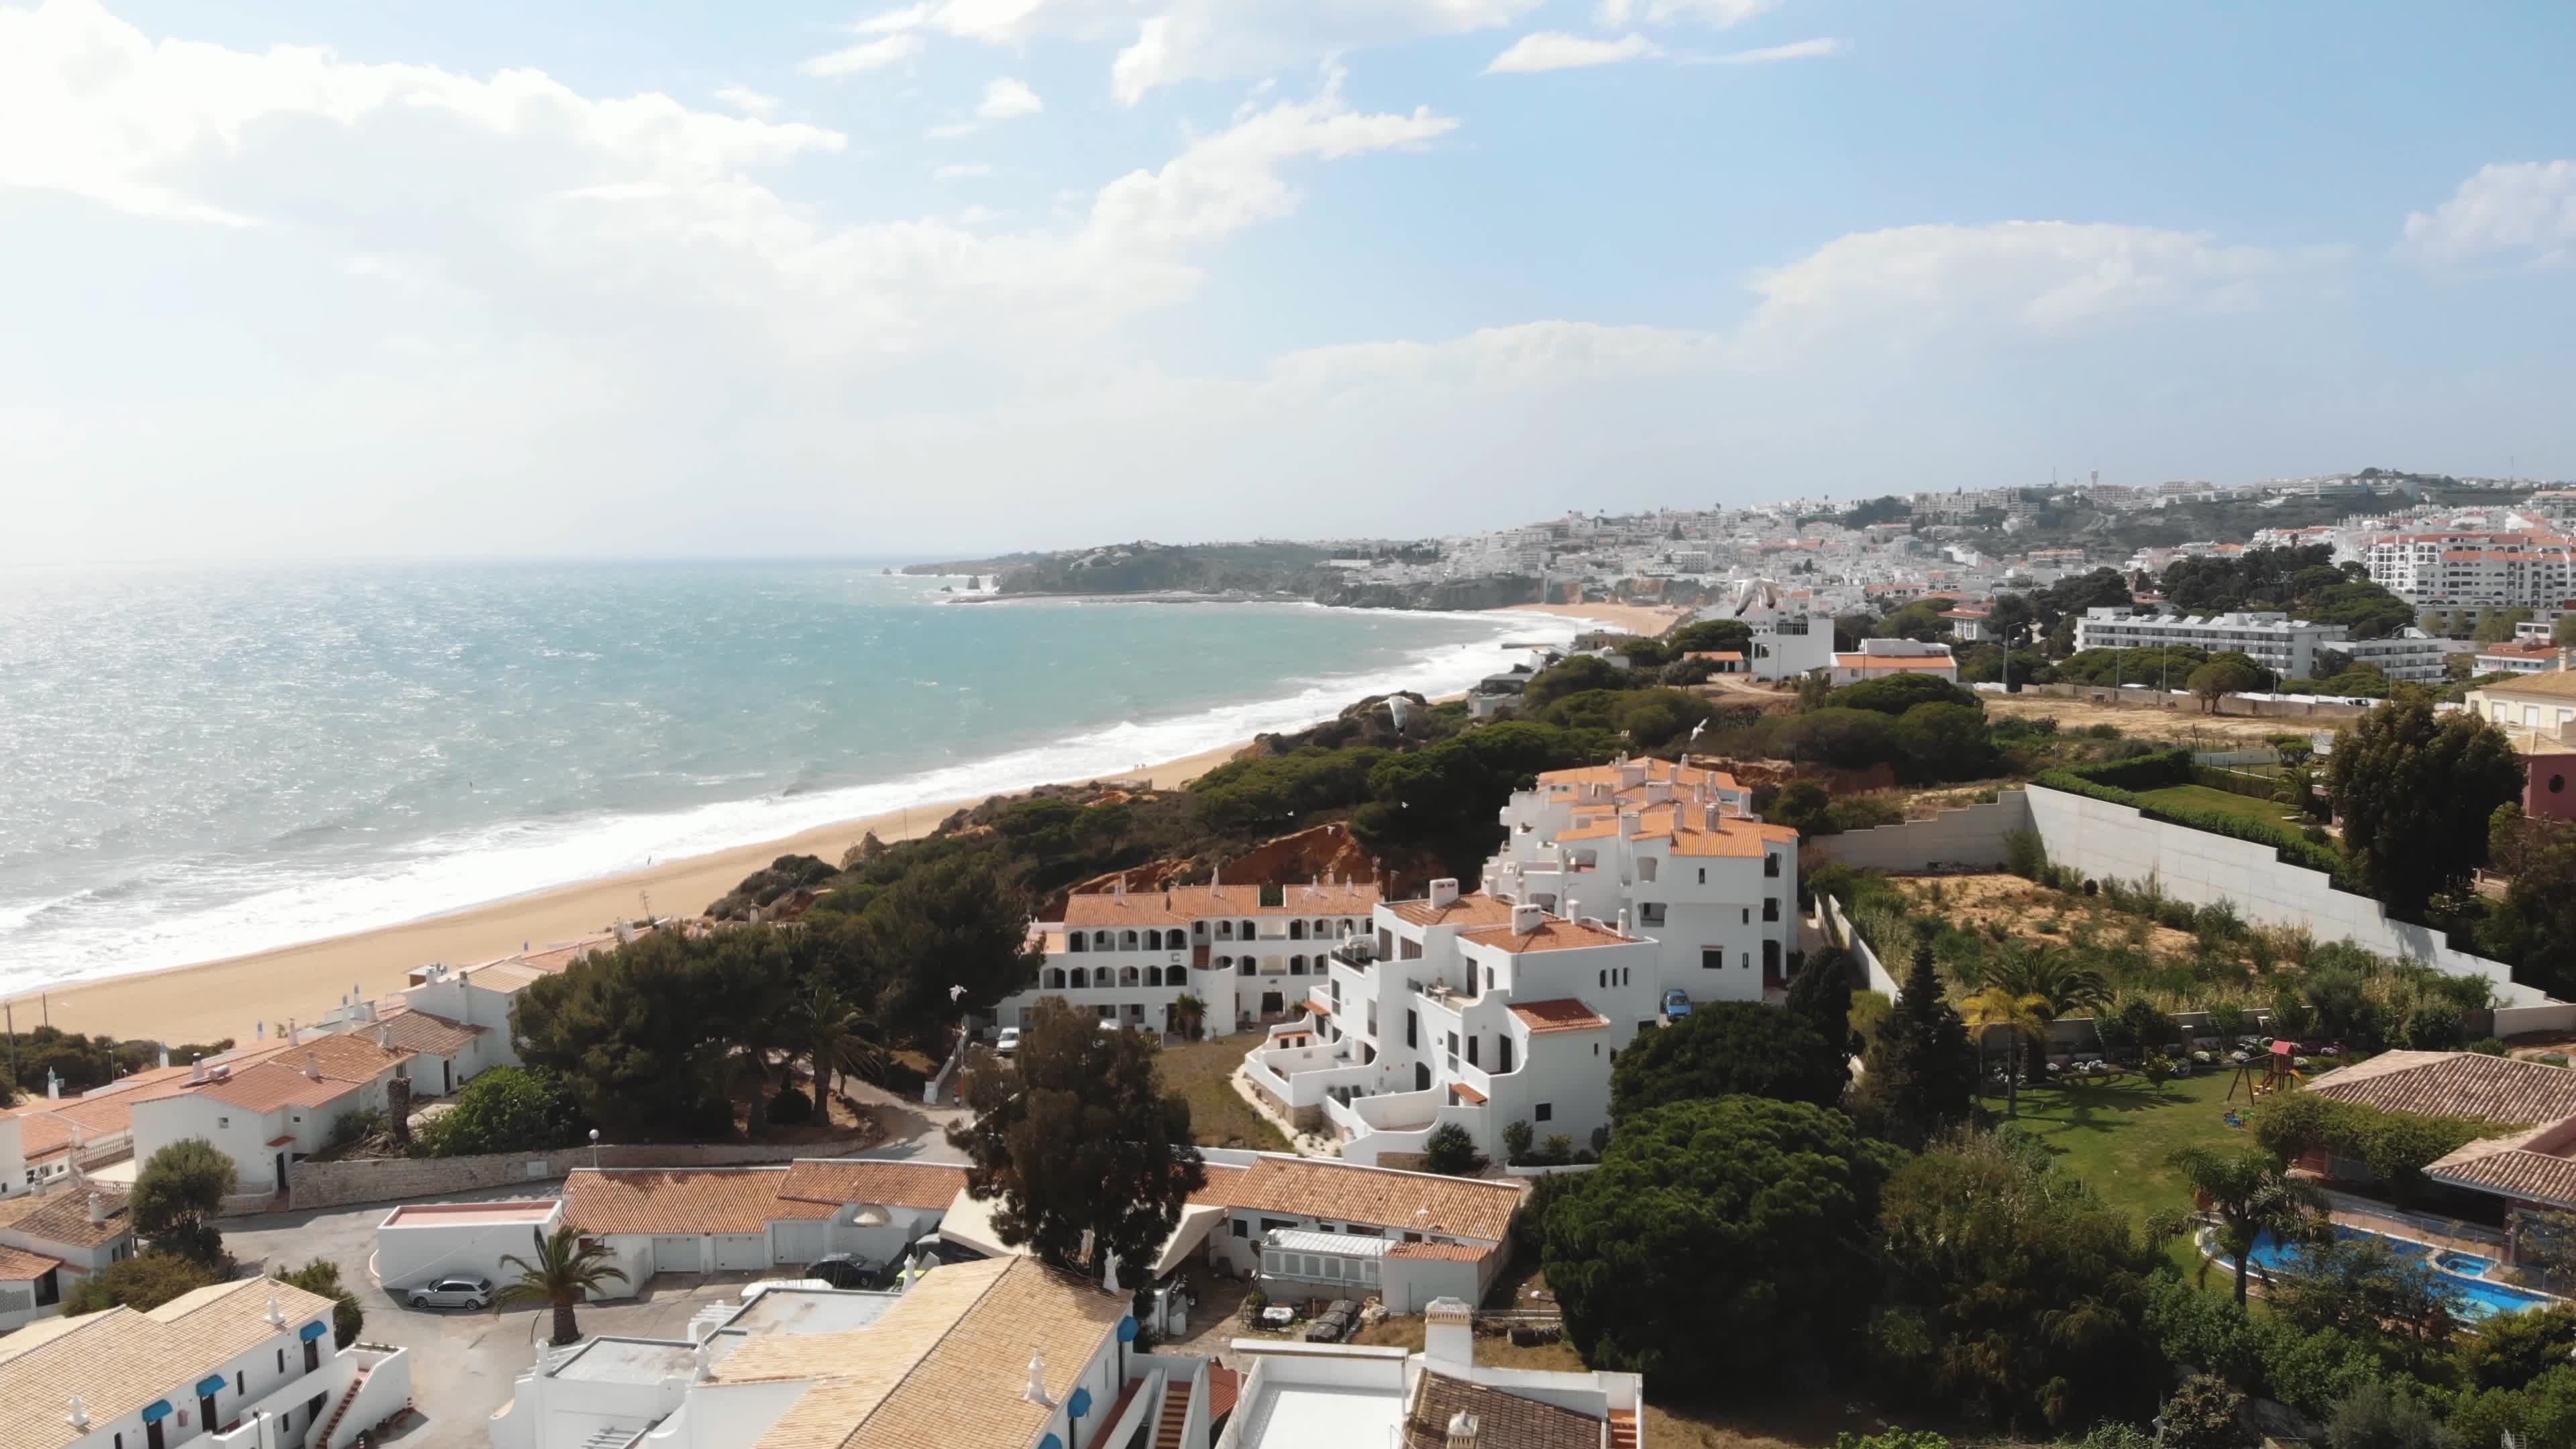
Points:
(1543, 1111)
(1471, 1051)
(1748, 915)
(1412, 1027)
(1646, 867)
(1712, 959)
(1770, 908)
(281, 1360)
(1077, 941)
(241, 1384)
(1650, 913)
(1242, 1229)
(1503, 1053)
(1244, 967)
(1409, 951)
(1703, 875)
(1385, 943)
(1770, 866)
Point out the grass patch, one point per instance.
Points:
(1219, 1117)
(2120, 1138)
(2201, 797)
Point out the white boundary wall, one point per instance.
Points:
(2115, 842)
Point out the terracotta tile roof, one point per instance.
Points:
(119, 1360)
(2548, 684)
(46, 1127)
(944, 1366)
(1931, 663)
(21, 1267)
(1562, 1014)
(1219, 1191)
(890, 1184)
(1553, 934)
(265, 1087)
(1181, 905)
(672, 1200)
(1503, 1420)
(421, 1032)
(1465, 1093)
(1473, 909)
(2456, 1084)
(1445, 1252)
(1383, 1197)
(63, 1218)
(1225, 1389)
(280, 1074)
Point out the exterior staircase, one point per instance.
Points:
(1176, 1412)
(331, 1425)
(1623, 1429)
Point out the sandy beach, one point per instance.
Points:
(226, 998)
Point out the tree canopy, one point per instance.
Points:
(1919, 1076)
(1726, 1048)
(2415, 792)
(1898, 693)
(176, 1194)
(1719, 1244)
(506, 1109)
(143, 1282)
(1076, 1136)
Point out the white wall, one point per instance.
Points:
(408, 1255)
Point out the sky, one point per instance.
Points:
(455, 278)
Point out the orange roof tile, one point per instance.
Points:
(20, 1267)
(1182, 905)
(1553, 934)
(1466, 1093)
(2456, 1084)
(421, 1032)
(1383, 1197)
(1562, 1014)
(1921, 663)
(686, 1200)
(869, 1180)
(1447, 1252)
(63, 1217)
(1473, 909)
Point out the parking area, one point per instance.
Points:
(464, 1363)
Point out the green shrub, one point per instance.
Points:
(1516, 1141)
(791, 1108)
(1451, 1152)
(2397, 1146)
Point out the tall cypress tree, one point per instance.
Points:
(1821, 993)
(1919, 1075)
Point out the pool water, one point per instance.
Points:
(2479, 1298)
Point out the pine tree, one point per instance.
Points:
(2415, 792)
(1919, 1076)
(1821, 993)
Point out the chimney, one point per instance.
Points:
(1623, 920)
(313, 1065)
(1444, 892)
(1630, 822)
(53, 1082)
(1036, 1392)
(1448, 1334)
(165, 1054)
(197, 1070)
(78, 1418)
(98, 1214)
(276, 1315)
(1462, 1431)
(1658, 792)
(1526, 919)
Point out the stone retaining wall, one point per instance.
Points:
(337, 1184)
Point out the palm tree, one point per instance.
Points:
(564, 1272)
(2251, 1195)
(2068, 985)
(839, 1036)
(2024, 1016)
(1189, 1015)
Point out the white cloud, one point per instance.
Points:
(961, 171)
(1717, 13)
(1902, 285)
(950, 131)
(867, 55)
(2526, 208)
(750, 102)
(1769, 54)
(1006, 99)
(1548, 50)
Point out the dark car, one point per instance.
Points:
(843, 1270)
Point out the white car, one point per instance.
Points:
(453, 1293)
(1008, 1042)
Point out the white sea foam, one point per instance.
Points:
(462, 870)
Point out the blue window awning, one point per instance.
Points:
(211, 1384)
(156, 1411)
(1050, 1442)
(1127, 1329)
(312, 1331)
(1079, 1404)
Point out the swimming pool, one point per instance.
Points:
(2479, 1298)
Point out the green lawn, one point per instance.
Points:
(2201, 797)
(1219, 1117)
(2119, 1136)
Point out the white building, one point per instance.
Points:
(1790, 635)
(1296, 1396)
(734, 1219)
(49, 1244)
(2525, 655)
(270, 1107)
(2286, 646)
(241, 1365)
(1129, 956)
(1886, 658)
(419, 1243)
(2474, 570)
(1001, 1354)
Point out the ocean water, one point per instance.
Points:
(197, 765)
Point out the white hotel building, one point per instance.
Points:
(1129, 956)
(1510, 1004)
(2286, 646)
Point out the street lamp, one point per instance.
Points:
(594, 1149)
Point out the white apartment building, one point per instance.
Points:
(1790, 636)
(1129, 956)
(2474, 570)
(1615, 885)
(2286, 646)
(241, 1365)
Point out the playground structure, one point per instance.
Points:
(2278, 1073)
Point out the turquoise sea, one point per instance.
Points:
(199, 764)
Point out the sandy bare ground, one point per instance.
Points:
(1634, 618)
(2183, 724)
(2033, 913)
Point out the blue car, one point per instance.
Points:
(1676, 1004)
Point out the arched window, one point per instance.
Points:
(1250, 930)
(1243, 967)
(1127, 940)
(1127, 976)
(1296, 930)
(1153, 975)
(1224, 961)
(1078, 941)
(1055, 978)
(1100, 940)
(1296, 965)
(1081, 978)
(1323, 930)
(1225, 930)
